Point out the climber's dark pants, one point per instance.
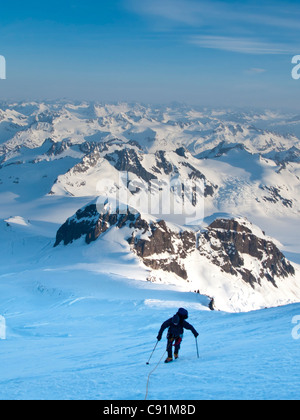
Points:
(177, 341)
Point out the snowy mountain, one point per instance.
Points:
(113, 216)
(181, 166)
(237, 257)
(74, 146)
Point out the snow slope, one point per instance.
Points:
(83, 328)
(77, 334)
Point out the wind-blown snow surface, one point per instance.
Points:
(77, 335)
(81, 329)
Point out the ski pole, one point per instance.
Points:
(197, 347)
(152, 353)
(147, 387)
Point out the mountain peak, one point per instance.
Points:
(231, 246)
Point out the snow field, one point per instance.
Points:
(74, 334)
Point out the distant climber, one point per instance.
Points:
(176, 326)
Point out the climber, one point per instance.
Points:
(176, 325)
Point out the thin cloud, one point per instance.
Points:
(188, 12)
(250, 29)
(239, 45)
(197, 12)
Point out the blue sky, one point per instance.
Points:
(214, 53)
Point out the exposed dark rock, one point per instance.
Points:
(82, 223)
(195, 174)
(162, 163)
(58, 148)
(89, 223)
(212, 304)
(224, 243)
(161, 241)
(181, 151)
(221, 149)
(165, 264)
(275, 196)
(230, 239)
(90, 147)
(128, 160)
(285, 156)
(89, 161)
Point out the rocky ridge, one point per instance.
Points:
(233, 245)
